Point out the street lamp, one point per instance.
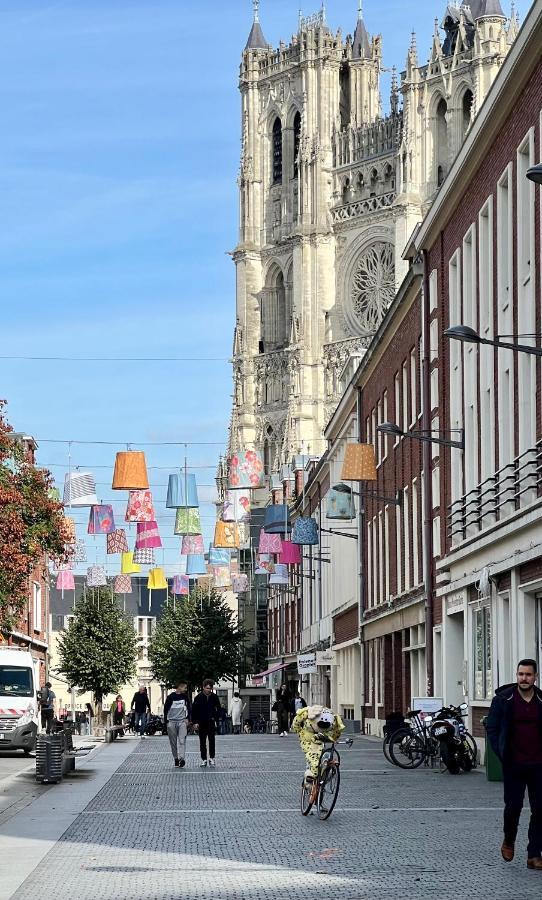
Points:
(467, 335)
(372, 495)
(425, 436)
(535, 173)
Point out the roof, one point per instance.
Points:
(256, 40)
(487, 8)
(361, 46)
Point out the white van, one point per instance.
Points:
(18, 701)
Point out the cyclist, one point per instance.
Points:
(309, 723)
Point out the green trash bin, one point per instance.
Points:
(493, 763)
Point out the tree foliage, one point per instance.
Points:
(31, 523)
(197, 638)
(98, 649)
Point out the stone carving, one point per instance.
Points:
(373, 286)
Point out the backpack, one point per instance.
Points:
(44, 696)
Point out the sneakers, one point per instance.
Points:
(182, 763)
(143, 736)
(176, 763)
(212, 763)
(203, 764)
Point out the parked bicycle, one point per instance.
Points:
(458, 750)
(414, 744)
(324, 790)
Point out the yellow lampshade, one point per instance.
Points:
(130, 471)
(128, 566)
(359, 463)
(156, 580)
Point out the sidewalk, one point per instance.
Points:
(132, 827)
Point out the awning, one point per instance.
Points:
(271, 670)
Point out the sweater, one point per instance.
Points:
(177, 708)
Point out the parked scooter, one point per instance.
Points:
(458, 748)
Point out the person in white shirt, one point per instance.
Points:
(236, 710)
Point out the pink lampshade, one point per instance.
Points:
(148, 536)
(192, 543)
(65, 580)
(269, 543)
(290, 554)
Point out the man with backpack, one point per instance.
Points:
(46, 701)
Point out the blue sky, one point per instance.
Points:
(118, 164)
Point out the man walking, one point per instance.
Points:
(47, 698)
(140, 704)
(205, 712)
(514, 728)
(177, 712)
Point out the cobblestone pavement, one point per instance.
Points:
(236, 833)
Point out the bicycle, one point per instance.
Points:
(325, 789)
(413, 745)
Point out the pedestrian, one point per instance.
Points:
(177, 713)
(90, 714)
(118, 712)
(514, 729)
(237, 707)
(296, 704)
(140, 704)
(282, 707)
(205, 712)
(46, 701)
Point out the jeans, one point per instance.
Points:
(207, 731)
(47, 716)
(176, 731)
(516, 780)
(141, 722)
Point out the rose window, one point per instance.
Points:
(373, 287)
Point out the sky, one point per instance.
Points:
(119, 156)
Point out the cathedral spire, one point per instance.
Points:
(361, 46)
(360, 10)
(256, 40)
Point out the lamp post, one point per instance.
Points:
(467, 335)
(535, 174)
(425, 436)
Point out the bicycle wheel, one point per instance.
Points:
(407, 750)
(386, 748)
(329, 791)
(307, 797)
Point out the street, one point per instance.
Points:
(142, 829)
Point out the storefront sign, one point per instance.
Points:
(428, 705)
(306, 664)
(326, 658)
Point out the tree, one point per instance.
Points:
(31, 523)
(98, 649)
(196, 638)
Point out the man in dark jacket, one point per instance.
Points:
(140, 704)
(205, 712)
(514, 729)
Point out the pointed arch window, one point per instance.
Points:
(467, 110)
(297, 142)
(277, 151)
(441, 141)
(269, 450)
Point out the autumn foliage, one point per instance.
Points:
(31, 523)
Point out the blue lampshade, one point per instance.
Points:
(219, 556)
(195, 564)
(176, 494)
(305, 531)
(277, 519)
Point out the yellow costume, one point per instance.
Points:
(308, 724)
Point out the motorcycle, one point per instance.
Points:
(458, 750)
(155, 725)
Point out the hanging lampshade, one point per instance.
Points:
(340, 504)
(246, 470)
(182, 490)
(96, 576)
(269, 543)
(359, 463)
(239, 584)
(236, 507)
(144, 556)
(101, 519)
(68, 528)
(127, 566)
(192, 543)
(148, 536)
(243, 530)
(234, 566)
(205, 583)
(280, 575)
(130, 471)
(181, 585)
(116, 541)
(76, 553)
(54, 494)
(277, 519)
(226, 535)
(305, 531)
(123, 584)
(219, 556)
(221, 576)
(80, 489)
(290, 554)
(187, 521)
(65, 580)
(156, 580)
(140, 507)
(264, 564)
(195, 564)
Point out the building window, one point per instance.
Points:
(525, 195)
(405, 397)
(406, 536)
(413, 387)
(370, 563)
(483, 674)
(504, 240)
(467, 110)
(399, 551)
(277, 151)
(485, 255)
(456, 371)
(441, 156)
(397, 387)
(297, 142)
(385, 419)
(415, 535)
(36, 593)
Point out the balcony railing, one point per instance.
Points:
(501, 495)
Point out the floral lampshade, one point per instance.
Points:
(156, 580)
(305, 531)
(80, 489)
(188, 521)
(205, 583)
(340, 503)
(239, 584)
(122, 584)
(264, 564)
(280, 575)
(219, 556)
(359, 463)
(117, 542)
(290, 554)
(144, 556)
(148, 536)
(181, 585)
(269, 543)
(68, 527)
(130, 471)
(101, 519)
(127, 566)
(226, 535)
(246, 470)
(76, 553)
(192, 544)
(65, 580)
(236, 507)
(182, 490)
(243, 530)
(140, 507)
(195, 564)
(277, 519)
(221, 576)
(96, 576)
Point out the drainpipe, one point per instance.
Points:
(428, 574)
(361, 565)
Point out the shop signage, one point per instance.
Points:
(306, 664)
(326, 658)
(428, 705)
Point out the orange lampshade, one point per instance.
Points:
(359, 463)
(130, 471)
